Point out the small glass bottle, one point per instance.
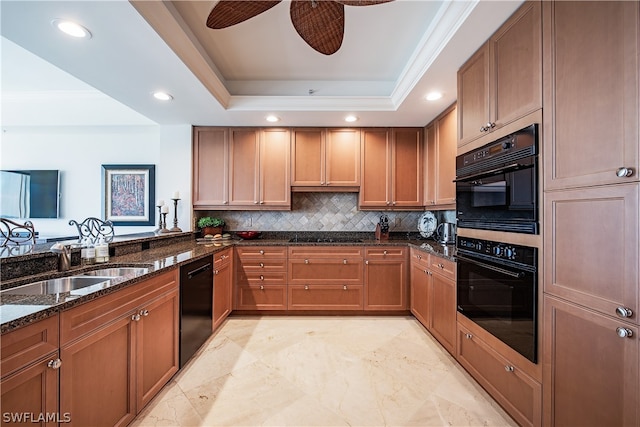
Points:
(88, 252)
(102, 251)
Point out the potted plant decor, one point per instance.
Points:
(210, 225)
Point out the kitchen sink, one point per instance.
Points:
(57, 286)
(118, 272)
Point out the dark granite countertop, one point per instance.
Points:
(18, 310)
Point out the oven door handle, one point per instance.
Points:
(496, 171)
(517, 275)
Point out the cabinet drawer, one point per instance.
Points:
(385, 253)
(262, 252)
(325, 251)
(256, 297)
(326, 297)
(420, 257)
(221, 259)
(442, 266)
(257, 266)
(23, 346)
(327, 271)
(517, 392)
(85, 318)
(265, 278)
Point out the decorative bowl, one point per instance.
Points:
(248, 235)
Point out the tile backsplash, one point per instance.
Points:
(322, 212)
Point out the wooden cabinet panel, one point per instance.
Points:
(420, 303)
(325, 297)
(261, 297)
(591, 374)
(265, 278)
(343, 157)
(157, 345)
(385, 278)
(443, 311)
(576, 152)
(376, 169)
(97, 377)
(261, 252)
(274, 186)
(444, 150)
(222, 287)
(244, 162)
(591, 247)
(518, 393)
(442, 266)
(502, 81)
(25, 345)
(210, 167)
(33, 392)
(308, 157)
(346, 271)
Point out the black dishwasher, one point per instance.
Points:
(196, 306)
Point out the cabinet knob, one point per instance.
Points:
(624, 332)
(419, 256)
(327, 183)
(393, 203)
(388, 203)
(306, 287)
(441, 265)
(344, 261)
(367, 262)
(216, 272)
(321, 182)
(261, 252)
(224, 202)
(306, 261)
(255, 202)
(135, 317)
(144, 313)
(624, 312)
(262, 287)
(384, 252)
(261, 265)
(54, 364)
(468, 336)
(262, 202)
(508, 368)
(344, 287)
(261, 277)
(624, 172)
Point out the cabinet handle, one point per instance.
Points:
(262, 287)
(508, 368)
(367, 262)
(419, 256)
(306, 287)
(261, 277)
(321, 182)
(624, 332)
(144, 313)
(224, 202)
(261, 252)
(135, 317)
(468, 336)
(393, 203)
(306, 261)
(327, 183)
(54, 363)
(262, 202)
(216, 272)
(344, 287)
(624, 312)
(624, 172)
(255, 202)
(261, 265)
(441, 265)
(388, 203)
(384, 253)
(344, 261)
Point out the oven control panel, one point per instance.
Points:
(500, 250)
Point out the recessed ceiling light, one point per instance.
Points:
(272, 118)
(350, 119)
(71, 28)
(162, 96)
(433, 96)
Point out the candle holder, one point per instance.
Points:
(160, 224)
(175, 228)
(164, 224)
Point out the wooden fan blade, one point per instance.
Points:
(320, 23)
(231, 12)
(362, 2)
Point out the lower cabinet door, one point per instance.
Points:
(325, 297)
(222, 294)
(443, 311)
(518, 393)
(420, 294)
(386, 285)
(96, 377)
(590, 368)
(261, 297)
(30, 396)
(157, 341)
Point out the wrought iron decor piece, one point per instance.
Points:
(15, 233)
(94, 228)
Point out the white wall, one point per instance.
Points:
(79, 153)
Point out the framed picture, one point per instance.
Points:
(128, 192)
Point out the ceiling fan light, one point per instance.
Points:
(162, 96)
(71, 28)
(272, 119)
(351, 118)
(433, 96)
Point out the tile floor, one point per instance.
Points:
(322, 371)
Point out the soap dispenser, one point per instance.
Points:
(102, 251)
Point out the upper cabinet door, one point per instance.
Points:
(308, 157)
(446, 158)
(406, 165)
(591, 92)
(376, 168)
(210, 167)
(275, 187)
(244, 166)
(473, 96)
(342, 157)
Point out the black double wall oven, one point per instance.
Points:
(497, 282)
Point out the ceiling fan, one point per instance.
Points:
(320, 23)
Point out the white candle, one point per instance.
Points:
(165, 209)
(160, 203)
(176, 195)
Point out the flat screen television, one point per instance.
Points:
(29, 193)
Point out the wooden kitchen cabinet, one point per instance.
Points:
(591, 375)
(502, 81)
(385, 278)
(222, 286)
(392, 168)
(29, 374)
(441, 150)
(324, 158)
(584, 90)
(433, 296)
(591, 247)
(118, 351)
(210, 167)
(259, 169)
(507, 382)
(261, 278)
